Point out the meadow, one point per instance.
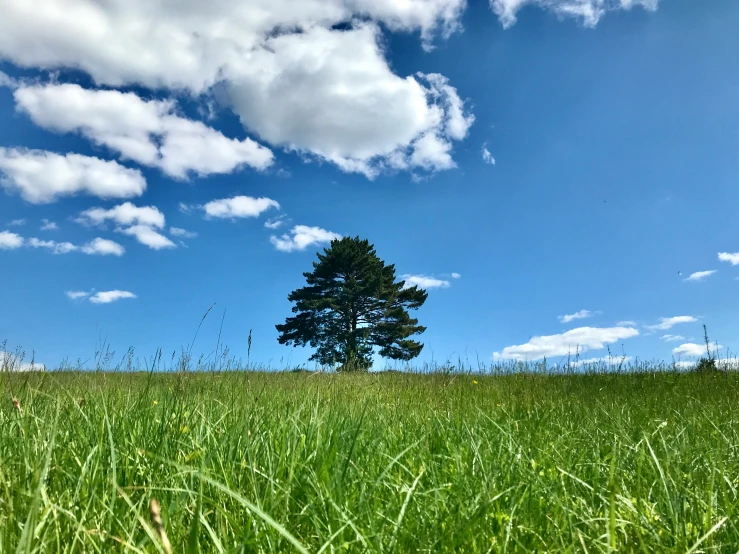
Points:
(601, 461)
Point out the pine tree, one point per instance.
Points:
(351, 305)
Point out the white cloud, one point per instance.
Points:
(147, 132)
(14, 363)
(700, 275)
(148, 236)
(487, 157)
(627, 323)
(582, 314)
(140, 222)
(10, 241)
(672, 338)
(275, 222)
(7, 81)
(733, 259)
(293, 77)
(301, 237)
(76, 294)
(47, 225)
(239, 207)
(581, 339)
(690, 349)
(588, 12)
(55, 247)
(123, 215)
(186, 208)
(16, 222)
(424, 282)
(456, 276)
(104, 247)
(98, 246)
(106, 297)
(669, 322)
(41, 177)
(184, 233)
(612, 360)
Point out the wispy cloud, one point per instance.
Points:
(275, 222)
(183, 233)
(487, 157)
(672, 338)
(582, 314)
(700, 275)
(669, 322)
(47, 225)
(16, 222)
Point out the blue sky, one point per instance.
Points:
(524, 160)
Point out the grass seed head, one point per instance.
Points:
(155, 513)
(16, 404)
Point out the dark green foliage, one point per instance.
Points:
(351, 305)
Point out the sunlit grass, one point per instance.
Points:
(288, 462)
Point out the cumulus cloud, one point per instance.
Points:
(487, 157)
(182, 233)
(690, 349)
(301, 237)
(147, 132)
(669, 322)
(47, 225)
(733, 259)
(588, 12)
(424, 282)
(10, 241)
(141, 222)
(700, 275)
(42, 177)
(309, 76)
(98, 246)
(456, 276)
(582, 314)
(104, 247)
(239, 207)
(580, 340)
(672, 338)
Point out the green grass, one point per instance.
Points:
(254, 462)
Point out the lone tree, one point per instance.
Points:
(352, 304)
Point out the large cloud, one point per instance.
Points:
(579, 340)
(42, 177)
(148, 132)
(311, 75)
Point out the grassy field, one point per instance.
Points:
(300, 462)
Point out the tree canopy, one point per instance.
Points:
(352, 304)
